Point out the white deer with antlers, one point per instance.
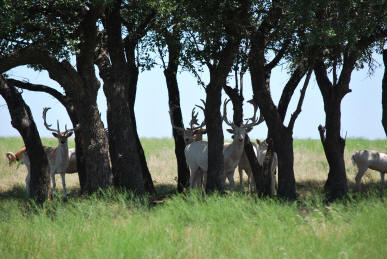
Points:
(197, 152)
(193, 133)
(58, 157)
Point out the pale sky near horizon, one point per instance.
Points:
(361, 109)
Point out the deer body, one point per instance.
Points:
(51, 152)
(197, 152)
(58, 157)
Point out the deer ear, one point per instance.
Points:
(69, 134)
(55, 134)
(249, 129)
(230, 131)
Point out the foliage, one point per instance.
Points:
(47, 25)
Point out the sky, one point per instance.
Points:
(361, 109)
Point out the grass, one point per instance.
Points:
(235, 225)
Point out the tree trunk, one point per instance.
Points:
(215, 173)
(336, 184)
(183, 173)
(282, 136)
(283, 141)
(256, 168)
(333, 144)
(126, 164)
(22, 120)
(94, 148)
(147, 178)
(384, 92)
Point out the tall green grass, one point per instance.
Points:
(192, 225)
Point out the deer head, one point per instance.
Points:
(195, 131)
(61, 136)
(239, 132)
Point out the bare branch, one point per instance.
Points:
(278, 57)
(300, 101)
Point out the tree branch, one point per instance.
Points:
(38, 88)
(278, 57)
(62, 72)
(323, 81)
(290, 87)
(300, 101)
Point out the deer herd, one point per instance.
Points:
(62, 160)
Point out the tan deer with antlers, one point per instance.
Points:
(197, 152)
(58, 157)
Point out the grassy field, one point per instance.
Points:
(235, 225)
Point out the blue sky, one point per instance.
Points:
(361, 109)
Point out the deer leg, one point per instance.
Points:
(382, 178)
(28, 182)
(240, 178)
(52, 173)
(358, 177)
(64, 184)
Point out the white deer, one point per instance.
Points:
(365, 159)
(193, 133)
(22, 157)
(197, 152)
(58, 157)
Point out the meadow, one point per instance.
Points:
(191, 225)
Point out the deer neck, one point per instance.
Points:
(235, 150)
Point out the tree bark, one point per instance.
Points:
(384, 92)
(336, 185)
(22, 120)
(215, 173)
(281, 135)
(120, 83)
(183, 173)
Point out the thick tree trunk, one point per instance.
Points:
(22, 120)
(336, 184)
(283, 141)
(215, 173)
(126, 164)
(384, 92)
(183, 173)
(94, 148)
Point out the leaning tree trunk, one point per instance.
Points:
(23, 121)
(183, 173)
(148, 182)
(384, 92)
(281, 135)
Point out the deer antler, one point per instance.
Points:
(254, 120)
(45, 122)
(70, 130)
(225, 114)
(203, 122)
